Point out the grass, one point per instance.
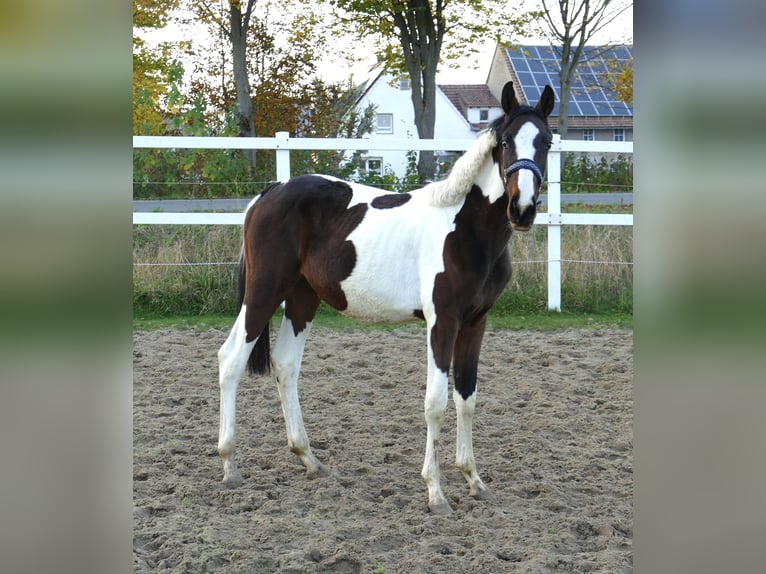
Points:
(327, 317)
(173, 284)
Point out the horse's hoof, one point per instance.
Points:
(440, 509)
(232, 479)
(319, 471)
(482, 493)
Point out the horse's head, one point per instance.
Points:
(523, 138)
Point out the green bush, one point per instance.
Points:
(582, 174)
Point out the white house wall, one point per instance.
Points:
(392, 100)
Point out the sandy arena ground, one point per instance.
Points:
(552, 437)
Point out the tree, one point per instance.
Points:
(410, 36)
(620, 80)
(235, 23)
(155, 71)
(572, 24)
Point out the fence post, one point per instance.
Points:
(554, 225)
(283, 156)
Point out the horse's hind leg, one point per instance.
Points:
(232, 361)
(466, 361)
(286, 363)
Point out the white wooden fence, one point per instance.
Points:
(283, 143)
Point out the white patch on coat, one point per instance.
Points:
(435, 406)
(286, 359)
(399, 252)
(232, 362)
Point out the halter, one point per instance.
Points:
(524, 164)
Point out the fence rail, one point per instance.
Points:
(283, 144)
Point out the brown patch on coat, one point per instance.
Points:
(390, 200)
(296, 249)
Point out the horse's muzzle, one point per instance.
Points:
(522, 220)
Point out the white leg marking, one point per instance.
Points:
(525, 148)
(232, 361)
(435, 407)
(286, 363)
(464, 459)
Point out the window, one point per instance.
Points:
(619, 134)
(587, 135)
(404, 82)
(374, 165)
(483, 115)
(384, 123)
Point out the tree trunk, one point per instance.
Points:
(420, 34)
(566, 89)
(238, 37)
(424, 106)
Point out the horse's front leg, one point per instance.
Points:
(466, 361)
(440, 343)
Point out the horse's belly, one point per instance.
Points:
(382, 296)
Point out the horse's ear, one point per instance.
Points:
(547, 100)
(508, 99)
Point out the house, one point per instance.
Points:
(595, 112)
(462, 110)
(474, 102)
(395, 119)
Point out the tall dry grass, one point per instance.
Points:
(175, 285)
(172, 274)
(596, 270)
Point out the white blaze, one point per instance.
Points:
(525, 149)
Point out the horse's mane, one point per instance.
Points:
(459, 181)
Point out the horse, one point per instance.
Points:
(439, 254)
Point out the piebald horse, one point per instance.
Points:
(439, 253)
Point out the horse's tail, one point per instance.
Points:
(259, 362)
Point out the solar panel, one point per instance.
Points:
(590, 95)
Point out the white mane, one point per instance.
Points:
(458, 183)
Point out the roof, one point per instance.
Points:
(536, 66)
(464, 96)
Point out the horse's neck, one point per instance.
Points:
(482, 230)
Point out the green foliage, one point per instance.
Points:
(388, 180)
(456, 26)
(152, 13)
(590, 174)
(200, 173)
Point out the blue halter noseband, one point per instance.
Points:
(524, 164)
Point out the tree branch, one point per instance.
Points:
(248, 12)
(207, 12)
